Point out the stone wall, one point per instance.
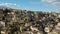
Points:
(13, 21)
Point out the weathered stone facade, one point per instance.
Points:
(13, 21)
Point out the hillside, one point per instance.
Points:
(13, 21)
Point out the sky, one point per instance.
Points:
(34, 5)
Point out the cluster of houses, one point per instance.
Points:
(13, 21)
